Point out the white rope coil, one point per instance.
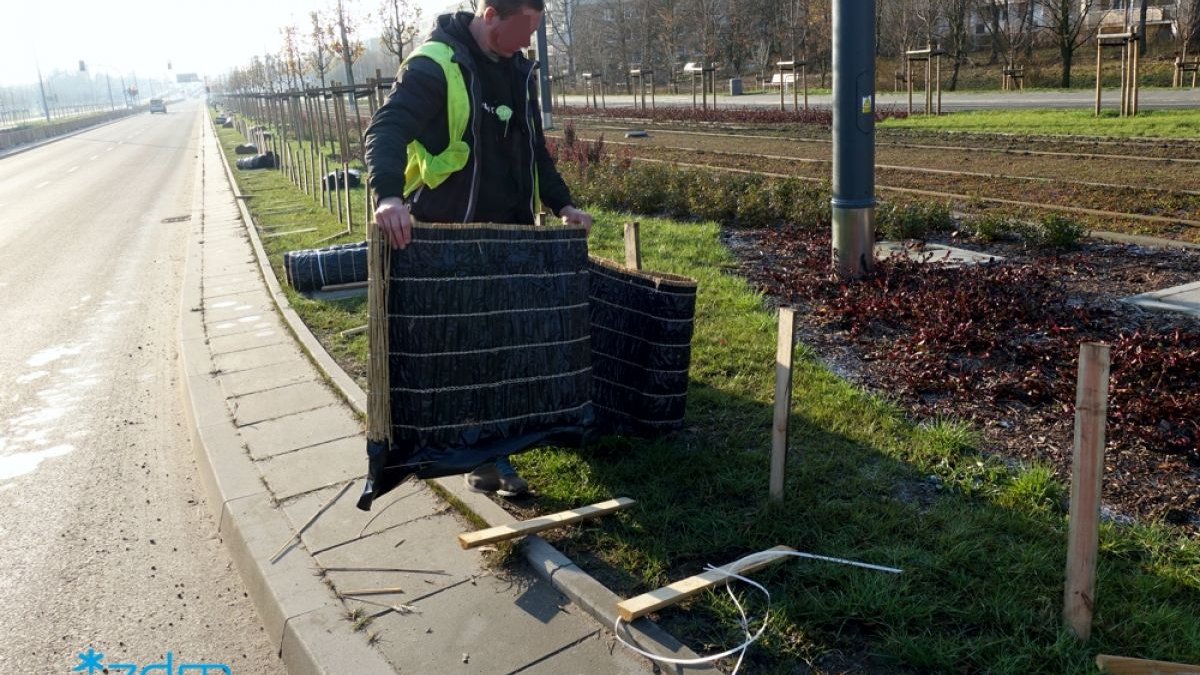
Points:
(751, 637)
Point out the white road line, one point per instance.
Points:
(41, 185)
(72, 169)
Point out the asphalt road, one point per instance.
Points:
(105, 538)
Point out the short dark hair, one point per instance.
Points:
(506, 8)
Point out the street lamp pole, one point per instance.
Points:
(42, 89)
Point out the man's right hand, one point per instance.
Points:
(393, 218)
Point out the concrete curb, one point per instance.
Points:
(589, 594)
(301, 615)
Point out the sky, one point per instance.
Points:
(119, 37)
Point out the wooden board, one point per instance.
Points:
(681, 590)
(1123, 665)
(526, 527)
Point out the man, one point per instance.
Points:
(459, 139)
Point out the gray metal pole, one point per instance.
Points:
(853, 136)
(544, 75)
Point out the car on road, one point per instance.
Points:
(157, 105)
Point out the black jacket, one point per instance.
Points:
(496, 185)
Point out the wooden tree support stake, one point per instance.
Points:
(1087, 473)
(1123, 665)
(783, 399)
(525, 527)
(633, 246)
(666, 596)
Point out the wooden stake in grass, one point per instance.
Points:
(783, 400)
(683, 589)
(526, 527)
(633, 246)
(1087, 473)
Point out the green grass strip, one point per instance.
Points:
(983, 545)
(1147, 123)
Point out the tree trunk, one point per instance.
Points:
(1065, 52)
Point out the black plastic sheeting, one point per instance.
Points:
(308, 270)
(265, 160)
(337, 179)
(489, 344)
(246, 149)
(641, 329)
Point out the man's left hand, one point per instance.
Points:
(573, 216)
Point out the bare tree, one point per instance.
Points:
(956, 40)
(321, 57)
(401, 23)
(560, 29)
(1187, 25)
(1010, 26)
(347, 45)
(1066, 20)
(670, 22)
(290, 57)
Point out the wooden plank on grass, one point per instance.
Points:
(1123, 665)
(681, 590)
(526, 527)
(1087, 474)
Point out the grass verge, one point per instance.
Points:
(982, 544)
(1147, 124)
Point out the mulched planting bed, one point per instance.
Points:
(1116, 200)
(997, 344)
(1155, 174)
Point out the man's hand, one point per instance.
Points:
(573, 216)
(393, 218)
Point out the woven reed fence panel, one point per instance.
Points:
(641, 324)
(489, 347)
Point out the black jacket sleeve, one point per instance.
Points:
(412, 110)
(555, 193)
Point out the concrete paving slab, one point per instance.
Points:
(1184, 299)
(257, 357)
(596, 653)
(282, 401)
(235, 327)
(287, 587)
(285, 434)
(341, 528)
(323, 641)
(266, 378)
(242, 312)
(490, 626)
(230, 290)
(237, 342)
(303, 471)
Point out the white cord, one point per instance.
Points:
(751, 638)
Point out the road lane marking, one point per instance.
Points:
(72, 169)
(41, 185)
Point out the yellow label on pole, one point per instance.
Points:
(866, 105)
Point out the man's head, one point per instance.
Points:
(505, 25)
